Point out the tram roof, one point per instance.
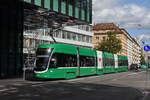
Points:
(56, 45)
(108, 55)
(66, 48)
(121, 57)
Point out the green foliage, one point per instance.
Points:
(142, 60)
(112, 44)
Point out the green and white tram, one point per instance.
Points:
(66, 61)
(122, 63)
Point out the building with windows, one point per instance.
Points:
(136, 50)
(11, 38)
(100, 30)
(28, 19)
(70, 17)
(80, 35)
(75, 9)
(66, 21)
(130, 46)
(133, 49)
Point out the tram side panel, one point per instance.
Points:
(62, 63)
(100, 67)
(108, 62)
(66, 65)
(86, 62)
(122, 63)
(67, 61)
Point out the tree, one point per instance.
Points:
(142, 60)
(112, 44)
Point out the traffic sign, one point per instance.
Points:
(146, 48)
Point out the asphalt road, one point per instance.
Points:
(118, 86)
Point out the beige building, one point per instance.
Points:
(135, 52)
(133, 49)
(130, 46)
(100, 30)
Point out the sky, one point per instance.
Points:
(133, 15)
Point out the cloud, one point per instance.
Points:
(130, 16)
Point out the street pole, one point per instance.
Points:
(147, 74)
(24, 73)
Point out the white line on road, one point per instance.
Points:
(7, 89)
(131, 74)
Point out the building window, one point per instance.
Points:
(74, 36)
(46, 32)
(87, 28)
(26, 43)
(79, 37)
(63, 34)
(104, 38)
(90, 39)
(118, 37)
(47, 42)
(87, 39)
(32, 43)
(83, 38)
(58, 34)
(97, 38)
(68, 35)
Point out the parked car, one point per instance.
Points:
(143, 66)
(134, 67)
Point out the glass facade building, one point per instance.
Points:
(77, 9)
(22, 16)
(80, 35)
(11, 44)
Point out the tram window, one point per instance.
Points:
(87, 61)
(108, 62)
(63, 60)
(123, 63)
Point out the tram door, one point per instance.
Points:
(78, 64)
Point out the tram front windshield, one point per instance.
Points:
(42, 59)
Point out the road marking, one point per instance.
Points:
(132, 74)
(2, 90)
(136, 73)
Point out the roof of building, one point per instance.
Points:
(106, 26)
(131, 38)
(124, 30)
